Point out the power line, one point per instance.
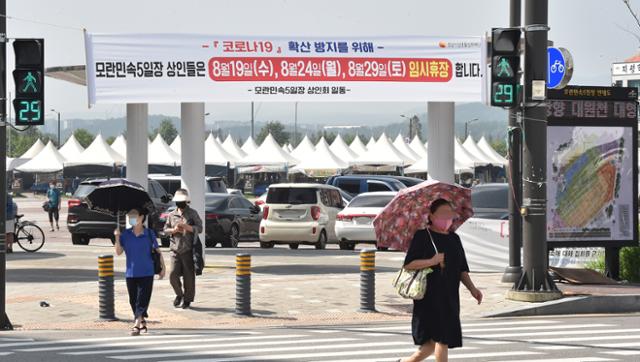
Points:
(42, 22)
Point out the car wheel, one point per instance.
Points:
(322, 241)
(165, 242)
(344, 245)
(78, 239)
(234, 237)
(267, 245)
(293, 246)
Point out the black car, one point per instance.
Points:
(171, 183)
(491, 201)
(85, 224)
(229, 219)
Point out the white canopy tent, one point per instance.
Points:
(471, 146)
(383, 153)
(269, 157)
(422, 166)
(120, 145)
(233, 149)
(403, 147)
(176, 145)
(12, 163)
(49, 160)
(371, 143)
(161, 154)
(249, 146)
(304, 149)
(33, 150)
(418, 147)
(357, 146)
(99, 153)
(71, 147)
(215, 154)
(322, 159)
(484, 145)
(341, 150)
(465, 157)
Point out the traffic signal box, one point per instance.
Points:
(505, 63)
(29, 80)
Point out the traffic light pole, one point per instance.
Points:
(535, 284)
(5, 324)
(514, 270)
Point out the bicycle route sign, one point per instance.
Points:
(560, 67)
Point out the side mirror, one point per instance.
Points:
(255, 209)
(166, 198)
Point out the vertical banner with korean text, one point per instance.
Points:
(160, 68)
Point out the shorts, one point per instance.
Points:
(10, 224)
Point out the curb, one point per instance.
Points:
(590, 304)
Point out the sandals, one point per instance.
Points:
(144, 329)
(135, 331)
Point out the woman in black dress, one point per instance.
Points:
(436, 318)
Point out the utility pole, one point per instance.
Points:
(53, 110)
(513, 272)
(252, 121)
(535, 284)
(5, 324)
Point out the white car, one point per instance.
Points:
(297, 214)
(354, 224)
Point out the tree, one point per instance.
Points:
(277, 131)
(500, 146)
(20, 142)
(84, 137)
(110, 140)
(348, 138)
(167, 130)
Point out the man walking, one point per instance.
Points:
(53, 197)
(183, 224)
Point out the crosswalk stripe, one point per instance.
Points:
(5, 353)
(16, 339)
(564, 359)
(85, 340)
(623, 353)
(554, 333)
(534, 328)
(252, 350)
(464, 325)
(356, 353)
(202, 345)
(618, 345)
(558, 348)
(141, 342)
(488, 343)
(584, 339)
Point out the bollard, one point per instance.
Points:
(368, 280)
(243, 284)
(105, 287)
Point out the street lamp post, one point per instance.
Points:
(403, 116)
(53, 110)
(466, 127)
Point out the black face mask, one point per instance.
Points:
(181, 205)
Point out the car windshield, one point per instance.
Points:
(371, 201)
(215, 202)
(490, 198)
(295, 196)
(408, 182)
(84, 190)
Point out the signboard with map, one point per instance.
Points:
(592, 167)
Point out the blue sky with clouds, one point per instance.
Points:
(590, 29)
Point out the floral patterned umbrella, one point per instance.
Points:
(408, 212)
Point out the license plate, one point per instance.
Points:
(363, 221)
(290, 214)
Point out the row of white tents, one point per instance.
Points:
(266, 157)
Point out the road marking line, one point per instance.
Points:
(110, 339)
(534, 328)
(553, 333)
(581, 339)
(464, 325)
(488, 343)
(5, 353)
(623, 344)
(624, 353)
(253, 350)
(200, 345)
(357, 353)
(558, 348)
(578, 359)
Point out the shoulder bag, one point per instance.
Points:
(155, 256)
(412, 284)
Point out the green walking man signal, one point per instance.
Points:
(29, 82)
(29, 79)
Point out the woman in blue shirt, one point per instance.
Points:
(137, 243)
(53, 196)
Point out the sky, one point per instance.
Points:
(594, 31)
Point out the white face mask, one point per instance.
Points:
(52, 186)
(133, 220)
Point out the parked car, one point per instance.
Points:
(260, 201)
(171, 183)
(358, 184)
(229, 219)
(85, 224)
(297, 214)
(354, 224)
(490, 201)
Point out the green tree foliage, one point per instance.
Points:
(84, 137)
(167, 130)
(500, 146)
(110, 140)
(277, 131)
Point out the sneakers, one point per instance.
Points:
(186, 305)
(177, 301)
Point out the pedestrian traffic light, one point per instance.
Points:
(29, 79)
(505, 63)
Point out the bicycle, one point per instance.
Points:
(28, 235)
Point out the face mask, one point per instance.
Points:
(133, 221)
(442, 224)
(181, 205)
(52, 186)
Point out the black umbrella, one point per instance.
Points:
(116, 197)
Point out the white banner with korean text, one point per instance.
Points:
(161, 68)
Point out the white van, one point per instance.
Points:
(297, 214)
